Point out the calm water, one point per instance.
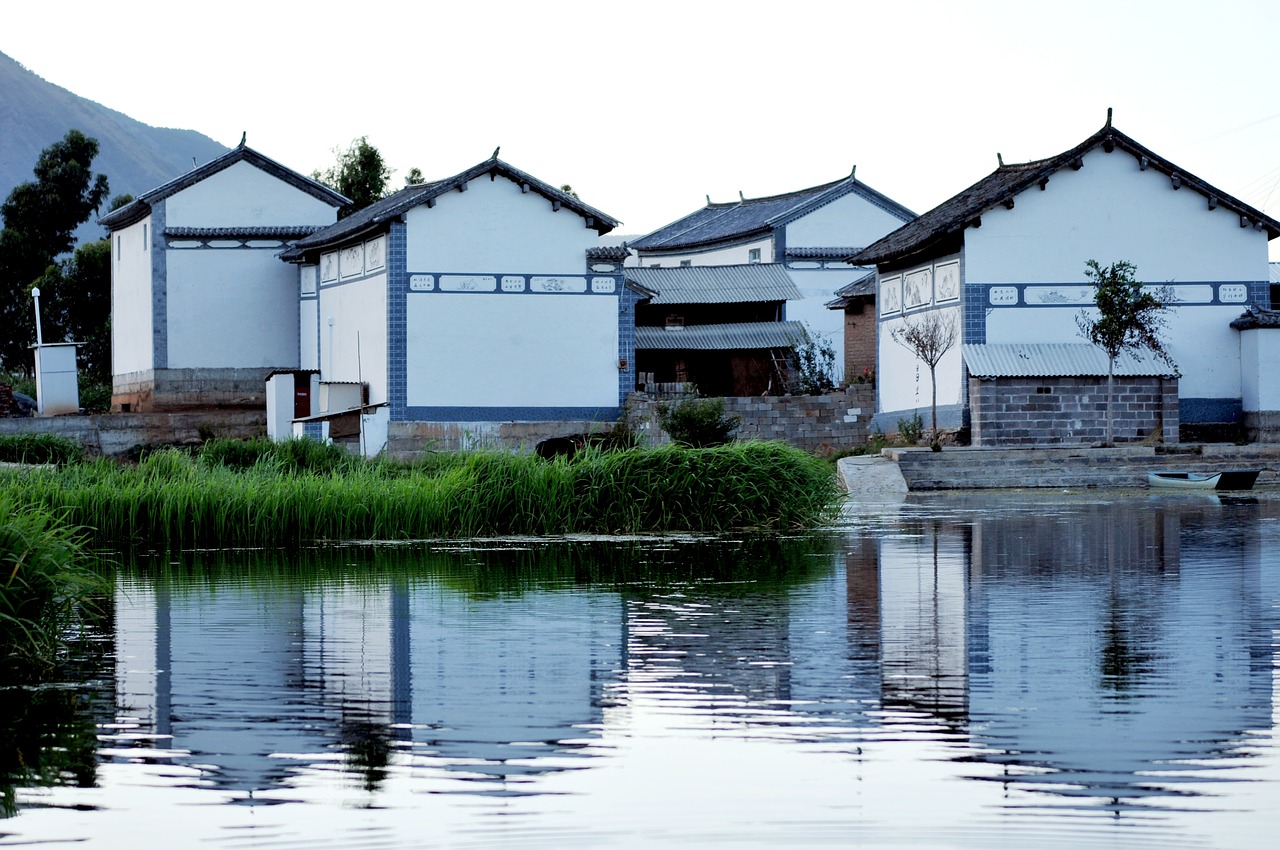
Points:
(1013, 671)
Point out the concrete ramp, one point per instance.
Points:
(871, 476)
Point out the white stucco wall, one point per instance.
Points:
(902, 381)
(494, 227)
(1260, 363)
(131, 292)
(734, 255)
(243, 195)
(850, 221)
(512, 350)
(354, 347)
(231, 307)
(1110, 210)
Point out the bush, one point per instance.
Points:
(815, 359)
(911, 429)
(698, 422)
(39, 448)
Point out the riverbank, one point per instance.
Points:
(262, 493)
(967, 468)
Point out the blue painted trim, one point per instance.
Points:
(1260, 294)
(779, 244)
(974, 298)
(159, 289)
(1251, 285)
(950, 416)
(619, 280)
(1195, 411)
(313, 430)
(397, 331)
(628, 298)
(509, 414)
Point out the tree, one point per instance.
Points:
(929, 336)
(40, 219)
(1130, 318)
(76, 306)
(414, 177)
(360, 174)
(815, 360)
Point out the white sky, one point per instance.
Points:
(646, 107)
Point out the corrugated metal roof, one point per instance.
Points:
(721, 337)
(1056, 360)
(1275, 272)
(716, 284)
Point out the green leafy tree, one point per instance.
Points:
(815, 362)
(75, 304)
(360, 174)
(1130, 317)
(39, 223)
(414, 177)
(930, 335)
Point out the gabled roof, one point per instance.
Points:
(390, 208)
(865, 285)
(750, 217)
(1057, 360)
(951, 216)
(716, 284)
(724, 337)
(140, 207)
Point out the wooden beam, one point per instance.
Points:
(1008, 202)
(431, 202)
(1077, 163)
(1176, 180)
(1143, 162)
(1044, 182)
(462, 187)
(555, 205)
(1244, 221)
(524, 188)
(1213, 202)
(1108, 144)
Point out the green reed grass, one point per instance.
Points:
(45, 575)
(175, 499)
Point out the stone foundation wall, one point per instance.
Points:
(408, 440)
(1262, 426)
(189, 389)
(823, 423)
(1071, 411)
(116, 433)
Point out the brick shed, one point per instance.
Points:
(1056, 394)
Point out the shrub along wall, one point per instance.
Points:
(818, 423)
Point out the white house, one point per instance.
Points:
(1006, 258)
(812, 232)
(479, 308)
(202, 309)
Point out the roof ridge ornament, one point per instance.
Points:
(1108, 124)
(999, 159)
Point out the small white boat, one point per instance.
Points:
(1230, 479)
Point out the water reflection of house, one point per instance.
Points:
(238, 674)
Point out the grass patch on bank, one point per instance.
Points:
(257, 494)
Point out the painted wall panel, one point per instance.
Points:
(309, 336)
(231, 307)
(851, 221)
(131, 293)
(486, 350)
(735, 255)
(244, 195)
(354, 346)
(1110, 210)
(493, 225)
(903, 380)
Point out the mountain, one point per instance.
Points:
(135, 157)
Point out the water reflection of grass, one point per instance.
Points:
(733, 564)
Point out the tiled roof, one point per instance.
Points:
(865, 285)
(286, 231)
(1056, 360)
(374, 216)
(613, 253)
(140, 207)
(952, 216)
(726, 337)
(822, 253)
(757, 216)
(716, 284)
(1257, 317)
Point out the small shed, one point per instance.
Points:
(1024, 394)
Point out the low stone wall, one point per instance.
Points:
(117, 433)
(408, 440)
(822, 423)
(177, 389)
(1048, 411)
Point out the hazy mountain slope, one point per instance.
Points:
(135, 157)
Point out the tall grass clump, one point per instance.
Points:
(39, 448)
(171, 498)
(44, 576)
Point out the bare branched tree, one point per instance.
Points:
(930, 335)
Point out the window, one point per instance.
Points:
(118, 249)
(753, 256)
(686, 262)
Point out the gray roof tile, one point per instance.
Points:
(716, 284)
(726, 337)
(1060, 360)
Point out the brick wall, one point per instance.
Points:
(859, 341)
(1071, 411)
(190, 389)
(823, 423)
